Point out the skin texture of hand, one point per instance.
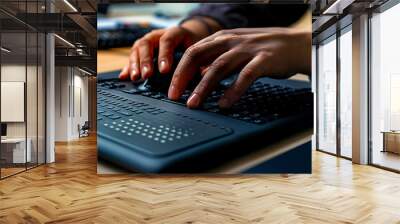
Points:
(255, 52)
(140, 63)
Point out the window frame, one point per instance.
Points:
(339, 32)
(378, 10)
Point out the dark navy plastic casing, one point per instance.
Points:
(232, 137)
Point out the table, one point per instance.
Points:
(391, 141)
(13, 150)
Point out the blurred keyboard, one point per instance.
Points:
(121, 35)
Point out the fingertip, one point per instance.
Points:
(173, 93)
(134, 74)
(164, 66)
(193, 101)
(124, 73)
(146, 71)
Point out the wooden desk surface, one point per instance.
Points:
(111, 60)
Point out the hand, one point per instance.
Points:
(274, 52)
(167, 40)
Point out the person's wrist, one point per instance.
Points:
(303, 40)
(201, 27)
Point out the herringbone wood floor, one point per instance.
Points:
(70, 191)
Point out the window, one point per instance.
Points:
(385, 88)
(22, 78)
(345, 100)
(327, 96)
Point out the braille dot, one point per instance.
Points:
(123, 131)
(162, 141)
(117, 129)
(129, 133)
(111, 126)
(137, 132)
(156, 139)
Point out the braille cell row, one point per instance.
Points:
(159, 133)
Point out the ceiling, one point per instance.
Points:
(72, 20)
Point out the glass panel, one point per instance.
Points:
(13, 86)
(327, 96)
(385, 84)
(31, 98)
(41, 98)
(32, 88)
(314, 89)
(346, 94)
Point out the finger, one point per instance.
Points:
(219, 69)
(124, 73)
(133, 67)
(193, 58)
(213, 36)
(145, 51)
(168, 42)
(203, 70)
(219, 34)
(246, 77)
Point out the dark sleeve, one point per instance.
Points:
(231, 16)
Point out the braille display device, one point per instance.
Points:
(140, 129)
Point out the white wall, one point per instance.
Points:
(33, 126)
(14, 73)
(70, 83)
(61, 103)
